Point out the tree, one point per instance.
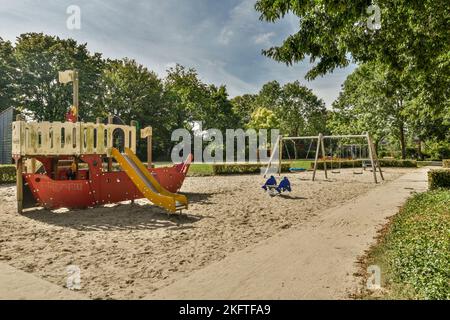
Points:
(192, 100)
(132, 92)
(297, 108)
(333, 32)
(187, 96)
(373, 100)
(243, 107)
(8, 75)
(300, 111)
(39, 58)
(263, 118)
(413, 42)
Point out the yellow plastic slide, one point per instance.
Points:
(147, 184)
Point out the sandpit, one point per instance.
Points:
(127, 251)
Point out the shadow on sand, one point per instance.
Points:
(119, 217)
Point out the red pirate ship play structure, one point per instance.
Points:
(77, 165)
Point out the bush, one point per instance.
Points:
(358, 163)
(446, 163)
(439, 178)
(7, 173)
(221, 169)
(398, 163)
(415, 250)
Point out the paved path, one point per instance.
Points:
(314, 261)
(19, 285)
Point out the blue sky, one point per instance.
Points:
(221, 39)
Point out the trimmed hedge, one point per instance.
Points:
(7, 173)
(398, 163)
(446, 163)
(221, 169)
(415, 249)
(358, 163)
(439, 178)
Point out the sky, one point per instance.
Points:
(222, 40)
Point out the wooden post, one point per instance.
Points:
(323, 153)
(374, 169)
(110, 121)
(76, 103)
(149, 151)
(19, 184)
(33, 165)
(375, 156)
(319, 139)
(280, 154)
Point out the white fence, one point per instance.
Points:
(66, 138)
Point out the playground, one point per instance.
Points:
(129, 250)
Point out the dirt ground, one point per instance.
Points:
(128, 251)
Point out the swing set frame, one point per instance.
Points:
(320, 150)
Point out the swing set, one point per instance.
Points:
(338, 152)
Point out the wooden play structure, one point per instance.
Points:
(334, 156)
(77, 167)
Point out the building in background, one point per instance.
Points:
(6, 119)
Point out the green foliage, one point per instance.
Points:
(398, 163)
(132, 92)
(446, 163)
(246, 168)
(7, 75)
(263, 118)
(439, 178)
(437, 150)
(412, 34)
(412, 48)
(296, 109)
(7, 173)
(39, 57)
(243, 107)
(416, 249)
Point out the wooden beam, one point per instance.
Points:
(110, 121)
(319, 139)
(374, 169)
(323, 153)
(19, 184)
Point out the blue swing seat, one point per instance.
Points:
(297, 169)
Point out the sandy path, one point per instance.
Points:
(316, 260)
(129, 251)
(19, 285)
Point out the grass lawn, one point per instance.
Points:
(206, 169)
(414, 249)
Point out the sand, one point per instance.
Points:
(128, 251)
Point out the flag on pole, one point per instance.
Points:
(66, 76)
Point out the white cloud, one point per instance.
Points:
(225, 36)
(264, 38)
(221, 39)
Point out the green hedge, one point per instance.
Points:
(358, 164)
(414, 253)
(7, 173)
(398, 163)
(222, 169)
(446, 163)
(439, 178)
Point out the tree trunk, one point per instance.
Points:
(402, 140)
